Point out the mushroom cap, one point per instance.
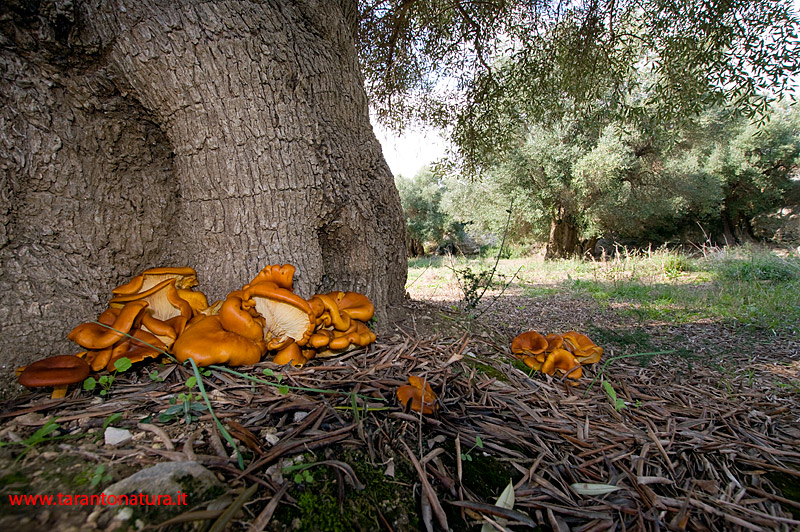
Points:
(287, 316)
(184, 278)
(280, 275)
(163, 301)
(321, 338)
(59, 370)
(585, 351)
(358, 335)
(563, 361)
(534, 361)
(142, 346)
(197, 300)
(294, 355)
(95, 336)
(327, 314)
(357, 306)
(238, 314)
(419, 392)
(554, 341)
(206, 342)
(529, 343)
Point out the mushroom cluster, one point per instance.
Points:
(159, 312)
(562, 354)
(267, 316)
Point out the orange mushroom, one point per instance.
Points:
(419, 393)
(238, 314)
(280, 275)
(207, 342)
(294, 355)
(95, 336)
(167, 312)
(185, 278)
(287, 316)
(59, 371)
(326, 311)
(358, 335)
(528, 343)
(562, 361)
(584, 350)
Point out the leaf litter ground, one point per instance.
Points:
(701, 438)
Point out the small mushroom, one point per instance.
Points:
(59, 371)
(420, 393)
(164, 305)
(185, 278)
(207, 342)
(294, 355)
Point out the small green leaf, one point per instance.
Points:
(104, 380)
(123, 364)
(191, 382)
(478, 442)
(283, 389)
(89, 384)
(103, 392)
(113, 418)
(279, 378)
(268, 372)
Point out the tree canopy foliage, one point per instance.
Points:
(485, 69)
(619, 181)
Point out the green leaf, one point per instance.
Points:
(478, 442)
(268, 372)
(191, 382)
(113, 418)
(89, 384)
(123, 364)
(283, 389)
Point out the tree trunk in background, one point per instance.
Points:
(219, 135)
(563, 242)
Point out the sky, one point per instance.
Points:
(412, 150)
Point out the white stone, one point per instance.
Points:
(114, 436)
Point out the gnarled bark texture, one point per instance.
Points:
(220, 135)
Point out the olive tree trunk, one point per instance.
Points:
(219, 135)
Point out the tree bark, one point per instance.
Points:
(563, 242)
(220, 135)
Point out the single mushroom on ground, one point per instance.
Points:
(419, 393)
(59, 372)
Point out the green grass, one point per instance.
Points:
(747, 285)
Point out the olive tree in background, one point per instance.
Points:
(233, 134)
